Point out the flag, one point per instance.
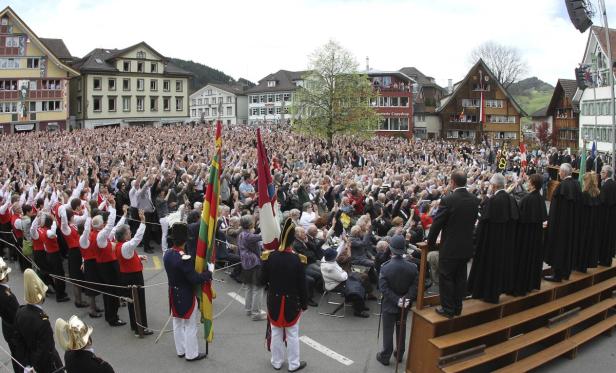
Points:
(582, 165)
(270, 229)
(482, 112)
(523, 158)
(206, 252)
(593, 154)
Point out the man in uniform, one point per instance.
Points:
(398, 283)
(33, 334)
(283, 273)
(183, 281)
(8, 309)
(75, 337)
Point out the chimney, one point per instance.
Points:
(450, 86)
(367, 63)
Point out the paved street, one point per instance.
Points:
(341, 345)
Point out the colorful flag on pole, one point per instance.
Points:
(206, 249)
(523, 161)
(582, 165)
(482, 111)
(270, 229)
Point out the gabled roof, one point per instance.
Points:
(486, 69)
(237, 90)
(399, 74)
(599, 33)
(543, 112)
(58, 48)
(421, 78)
(40, 42)
(569, 87)
(285, 81)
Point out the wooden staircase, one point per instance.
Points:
(518, 334)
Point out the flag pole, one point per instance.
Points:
(610, 74)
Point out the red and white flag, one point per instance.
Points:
(523, 158)
(270, 230)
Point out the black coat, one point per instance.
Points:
(83, 361)
(528, 259)
(491, 273)
(34, 340)
(607, 249)
(456, 218)
(183, 281)
(285, 276)
(398, 278)
(590, 236)
(8, 309)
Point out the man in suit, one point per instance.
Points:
(456, 218)
(8, 309)
(75, 337)
(183, 281)
(35, 347)
(608, 200)
(398, 283)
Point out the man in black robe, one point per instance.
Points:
(492, 272)
(563, 225)
(607, 250)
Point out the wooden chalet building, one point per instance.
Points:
(480, 109)
(565, 114)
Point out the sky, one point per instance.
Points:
(251, 39)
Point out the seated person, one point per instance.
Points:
(313, 270)
(336, 279)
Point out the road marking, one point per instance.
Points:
(156, 261)
(326, 351)
(238, 298)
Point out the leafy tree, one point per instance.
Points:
(335, 98)
(545, 135)
(505, 62)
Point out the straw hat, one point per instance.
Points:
(74, 334)
(34, 288)
(4, 269)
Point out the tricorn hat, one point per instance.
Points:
(34, 288)
(287, 236)
(4, 269)
(74, 334)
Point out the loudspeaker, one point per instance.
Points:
(578, 12)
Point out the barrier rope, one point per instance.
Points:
(12, 358)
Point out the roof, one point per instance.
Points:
(46, 49)
(399, 74)
(101, 60)
(445, 100)
(543, 112)
(285, 81)
(236, 89)
(569, 87)
(600, 34)
(57, 47)
(420, 77)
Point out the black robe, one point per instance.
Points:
(564, 227)
(607, 250)
(590, 235)
(528, 259)
(492, 272)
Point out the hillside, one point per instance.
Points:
(204, 74)
(531, 93)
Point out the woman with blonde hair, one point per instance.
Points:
(588, 248)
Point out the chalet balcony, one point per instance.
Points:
(394, 88)
(43, 94)
(9, 95)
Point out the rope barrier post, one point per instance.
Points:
(137, 309)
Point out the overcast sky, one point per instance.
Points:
(254, 38)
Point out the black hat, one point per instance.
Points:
(287, 236)
(179, 233)
(330, 254)
(397, 245)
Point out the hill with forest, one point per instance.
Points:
(203, 75)
(531, 93)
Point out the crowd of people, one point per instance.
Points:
(92, 197)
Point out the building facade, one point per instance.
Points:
(565, 114)
(426, 97)
(481, 110)
(228, 103)
(595, 119)
(34, 81)
(394, 102)
(127, 87)
(270, 100)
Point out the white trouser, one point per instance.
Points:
(164, 227)
(277, 346)
(185, 335)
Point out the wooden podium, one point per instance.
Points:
(519, 333)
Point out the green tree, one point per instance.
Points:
(335, 98)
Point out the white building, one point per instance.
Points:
(228, 103)
(270, 100)
(595, 108)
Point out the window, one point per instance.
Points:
(206, 101)
(271, 83)
(420, 117)
(12, 41)
(153, 85)
(178, 85)
(254, 99)
(153, 67)
(79, 104)
(96, 84)
(9, 63)
(254, 111)
(126, 66)
(179, 102)
(206, 112)
(384, 101)
(51, 84)
(8, 85)
(111, 84)
(270, 98)
(278, 110)
(32, 85)
(126, 84)
(262, 111)
(153, 103)
(471, 102)
(194, 102)
(270, 111)
(140, 105)
(229, 99)
(262, 98)
(139, 67)
(277, 98)
(125, 103)
(229, 110)
(194, 112)
(141, 54)
(32, 106)
(32, 63)
(8, 107)
(96, 103)
(111, 103)
(393, 101)
(214, 112)
(494, 103)
(140, 84)
(166, 85)
(166, 103)
(404, 101)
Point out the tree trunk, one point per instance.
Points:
(330, 134)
